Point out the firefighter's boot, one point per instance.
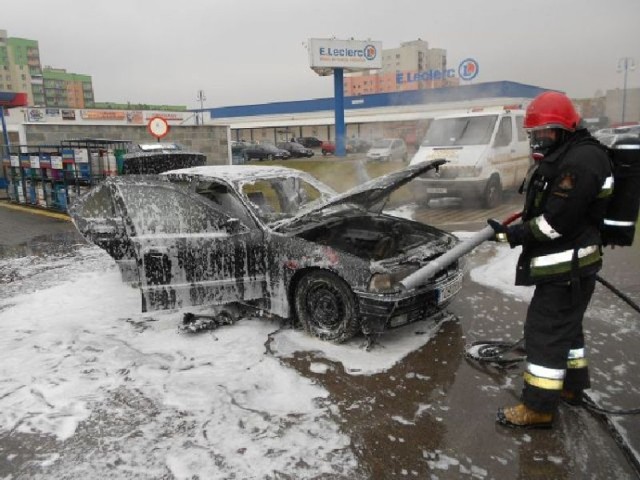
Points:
(522, 416)
(572, 397)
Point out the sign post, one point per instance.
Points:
(158, 127)
(332, 56)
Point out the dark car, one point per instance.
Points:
(309, 142)
(296, 150)
(237, 150)
(150, 158)
(264, 151)
(274, 238)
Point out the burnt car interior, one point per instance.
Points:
(277, 198)
(373, 238)
(225, 200)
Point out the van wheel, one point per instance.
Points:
(492, 196)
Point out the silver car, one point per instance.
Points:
(274, 238)
(388, 149)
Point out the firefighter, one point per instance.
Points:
(566, 191)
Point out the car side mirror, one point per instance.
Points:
(234, 225)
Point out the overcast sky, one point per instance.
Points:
(253, 51)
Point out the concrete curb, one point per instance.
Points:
(34, 210)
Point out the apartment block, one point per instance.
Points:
(20, 69)
(401, 63)
(67, 90)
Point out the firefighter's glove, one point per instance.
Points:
(500, 231)
(512, 235)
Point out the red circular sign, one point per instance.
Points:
(158, 127)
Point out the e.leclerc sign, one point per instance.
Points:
(467, 70)
(350, 54)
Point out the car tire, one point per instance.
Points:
(324, 153)
(492, 196)
(326, 307)
(246, 157)
(269, 157)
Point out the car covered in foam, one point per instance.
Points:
(274, 238)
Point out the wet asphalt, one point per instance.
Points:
(432, 414)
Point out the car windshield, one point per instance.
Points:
(277, 198)
(152, 147)
(445, 132)
(383, 143)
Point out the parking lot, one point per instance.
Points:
(411, 407)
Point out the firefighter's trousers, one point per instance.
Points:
(554, 343)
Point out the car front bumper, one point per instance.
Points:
(463, 187)
(380, 312)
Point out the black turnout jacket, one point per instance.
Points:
(565, 201)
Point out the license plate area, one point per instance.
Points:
(449, 290)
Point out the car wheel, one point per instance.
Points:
(269, 157)
(326, 306)
(246, 157)
(492, 196)
(324, 153)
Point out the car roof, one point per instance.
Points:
(234, 173)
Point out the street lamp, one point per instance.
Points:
(201, 97)
(624, 65)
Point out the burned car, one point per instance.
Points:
(274, 238)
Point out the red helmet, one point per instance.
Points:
(551, 110)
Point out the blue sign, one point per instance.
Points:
(410, 77)
(468, 69)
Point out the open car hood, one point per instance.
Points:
(373, 194)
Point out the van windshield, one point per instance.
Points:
(446, 132)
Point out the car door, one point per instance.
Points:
(521, 152)
(99, 219)
(503, 151)
(189, 252)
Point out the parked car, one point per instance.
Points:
(610, 139)
(309, 142)
(158, 157)
(358, 145)
(388, 149)
(275, 238)
(353, 145)
(488, 152)
(295, 149)
(264, 151)
(237, 150)
(328, 148)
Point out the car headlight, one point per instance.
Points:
(390, 282)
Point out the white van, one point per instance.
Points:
(487, 152)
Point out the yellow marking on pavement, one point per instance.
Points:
(36, 211)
